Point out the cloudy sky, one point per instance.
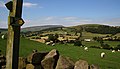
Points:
(66, 12)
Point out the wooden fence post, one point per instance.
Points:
(14, 24)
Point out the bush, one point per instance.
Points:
(118, 47)
(94, 47)
(53, 37)
(77, 43)
(105, 46)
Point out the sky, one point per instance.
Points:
(65, 12)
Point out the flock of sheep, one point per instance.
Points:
(102, 54)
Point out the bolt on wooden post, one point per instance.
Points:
(14, 24)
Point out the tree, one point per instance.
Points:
(79, 30)
(115, 37)
(118, 47)
(50, 37)
(77, 43)
(53, 37)
(76, 33)
(56, 36)
(94, 38)
(105, 46)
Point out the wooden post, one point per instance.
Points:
(14, 24)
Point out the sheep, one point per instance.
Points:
(3, 37)
(34, 50)
(53, 44)
(113, 51)
(102, 55)
(118, 50)
(86, 48)
(48, 43)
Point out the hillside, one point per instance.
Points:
(39, 28)
(111, 60)
(86, 25)
(88, 30)
(99, 29)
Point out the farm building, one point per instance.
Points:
(87, 40)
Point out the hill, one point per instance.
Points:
(39, 28)
(86, 25)
(88, 30)
(99, 29)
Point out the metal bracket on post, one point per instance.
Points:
(9, 5)
(16, 21)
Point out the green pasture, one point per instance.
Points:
(3, 44)
(95, 43)
(111, 60)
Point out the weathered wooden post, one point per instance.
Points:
(14, 24)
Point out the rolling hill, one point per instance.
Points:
(88, 30)
(39, 28)
(99, 29)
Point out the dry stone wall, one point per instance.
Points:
(49, 60)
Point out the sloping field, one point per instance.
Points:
(111, 60)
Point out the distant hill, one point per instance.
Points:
(97, 28)
(88, 25)
(92, 28)
(39, 28)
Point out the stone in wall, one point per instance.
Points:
(94, 66)
(81, 64)
(65, 63)
(36, 58)
(50, 60)
(30, 66)
(22, 63)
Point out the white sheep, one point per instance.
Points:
(48, 43)
(51, 41)
(113, 51)
(118, 50)
(34, 50)
(3, 37)
(53, 44)
(86, 48)
(102, 55)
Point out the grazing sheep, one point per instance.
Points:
(113, 51)
(34, 50)
(118, 50)
(53, 44)
(48, 43)
(3, 37)
(86, 48)
(51, 41)
(102, 55)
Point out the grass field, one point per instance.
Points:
(111, 60)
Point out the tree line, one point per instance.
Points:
(103, 29)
